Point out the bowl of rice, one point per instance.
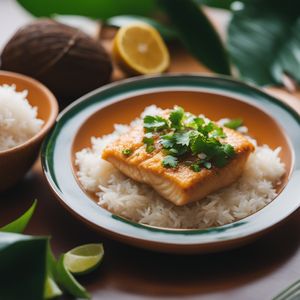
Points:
(96, 192)
(27, 112)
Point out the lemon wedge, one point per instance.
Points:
(139, 49)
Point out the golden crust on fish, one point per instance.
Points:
(180, 185)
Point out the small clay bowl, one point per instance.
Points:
(16, 161)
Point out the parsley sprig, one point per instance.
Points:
(183, 135)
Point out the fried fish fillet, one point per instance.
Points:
(180, 185)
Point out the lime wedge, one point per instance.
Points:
(84, 259)
(51, 289)
(68, 282)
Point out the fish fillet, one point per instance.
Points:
(180, 185)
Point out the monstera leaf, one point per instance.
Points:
(197, 34)
(264, 40)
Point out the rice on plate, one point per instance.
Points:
(140, 203)
(18, 119)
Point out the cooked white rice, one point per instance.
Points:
(18, 119)
(139, 202)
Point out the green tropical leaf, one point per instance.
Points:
(51, 289)
(99, 9)
(197, 34)
(19, 225)
(166, 32)
(22, 266)
(264, 40)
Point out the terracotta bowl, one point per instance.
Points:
(269, 121)
(15, 162)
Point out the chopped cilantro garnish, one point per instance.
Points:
(167, 141)
(149, 142)
(155, 123)
(150, 148)
(127, 152)
(234, 123)
(182, 138)
(184, 135)
(229, 150)
(148, 139)
(195, 168)
(170, 161)
(176, 117)
(207, 165)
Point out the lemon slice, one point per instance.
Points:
(84, 258)
(139, 49)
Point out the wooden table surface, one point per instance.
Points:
(257, 271)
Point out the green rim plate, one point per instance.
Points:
(56, 161)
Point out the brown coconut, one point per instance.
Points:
(66, 60)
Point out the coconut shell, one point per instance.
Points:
(66, 60)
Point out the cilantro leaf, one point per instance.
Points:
(217, 132)
(207, 165)
(229, 150)
(198, 145)
(195, 168)
(178, 150)
(155, 123)
(148, 139)
(185, 134)
(150, 148)
(196, 123)
(234, 123)
(170, 161)
(182, 138)
(126, 152)
(167, 141)
(176, 117)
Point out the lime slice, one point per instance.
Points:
(84, 259)
(68, 282)
(51, 289)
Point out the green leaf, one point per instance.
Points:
(67, 280)
(155, 123)
(149, 142)
(176, 117)
(195, 167)
(150, 148)
(196, 123)
(167, 33)
(148, 138)
(197, 34)
(234, 123)
(207, 165)
(23, 266)
(19, 225)
(288, 58)
(182, 138)
(170, 161)
(99, 9)
(167, 141)
(228, 150)
(264, 41)
(51, 289)
(126, 152)
(198, 145)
